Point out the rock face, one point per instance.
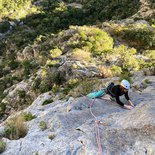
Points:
(71, 127)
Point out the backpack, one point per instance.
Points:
(109, 88)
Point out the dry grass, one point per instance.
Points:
(16, 128)
(81, 55)
(105, 71)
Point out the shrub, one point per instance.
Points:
(44, 87)
(12, 8)
(81, 55)
(90, 39)
(6, 71)
(105, 71)
(58, 78)
(107, 10)
(52, 63)
(116, 70)
(150, 54)
(47, 102)
(28, 66)
(52, 136)
(140, 37)
(70, 84)
(15, 128)
(146, 81)
(2, 108)
(55, 52)
(13, 64)
(55, 88)
(152, 4)
(47, 81)
(43, 125)
(126, 58)
(2, 146)
(36, 83)
(22, 93)
(4, 26)
(28, 116)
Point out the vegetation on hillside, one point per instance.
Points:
(40, 34)
(138, 35)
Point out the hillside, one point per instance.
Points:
(70, 48)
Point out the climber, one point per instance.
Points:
(114, 91)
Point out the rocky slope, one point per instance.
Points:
(44, 61)
(72, 127)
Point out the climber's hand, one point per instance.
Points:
(129, 107)
(97, 122)
(130, 103)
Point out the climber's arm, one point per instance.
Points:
(129, 101)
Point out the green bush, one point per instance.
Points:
(28, 66)
(140, 37)
(146, 81)
(107, 10)
(9, 8)
(2, 146)
(47, 102)
(1, 70)
(6, 71)
(45, 83)
(56, 88)
(44, 87)
(150, 54)
(4, 26)
(52, 136)
(28, 116)
(55, 52)
(126, 58)
(116, 70)
(152, 4)
(22, 93)
(59, 78)
(2, 108)
(43, 125)
(52, 63)
(13, 64)
(70, 84)
(89, 39)
(36, 83)
(81, 55)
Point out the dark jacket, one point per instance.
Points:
(115, 91)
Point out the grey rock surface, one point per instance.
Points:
(70, 123)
